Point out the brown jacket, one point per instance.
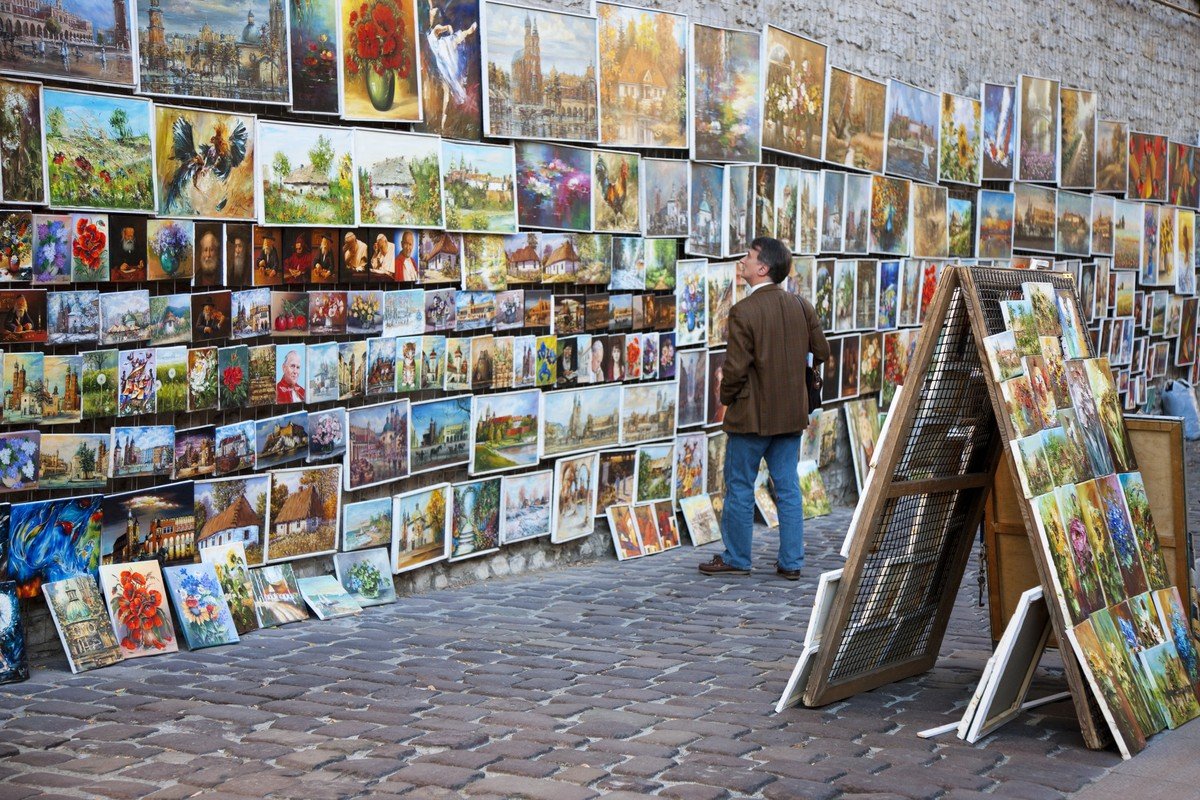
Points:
(771, 333)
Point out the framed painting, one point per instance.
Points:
(665, 198)
(1077, 139)
(475, 518)
(854, 121)
(87, 57)
(478, 181)
(643, 77)
(380, 78)
(911, 147)
(706, 203)
(103, 151)
(1038, 129)
(450, 69)
(399, 179)
(306, 175)
(1074, 224)
(208, 50)
(537, 89)
(574, 501)
(726, 95)
(793, 94)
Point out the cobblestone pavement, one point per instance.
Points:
(618, 679)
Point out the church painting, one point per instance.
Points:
(540, 76)
(574, 420)
(214, 51)
(155, 523)
(73, 40)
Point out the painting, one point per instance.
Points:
(380, 78)
(911, 148)
(701, 519)
(231, 511)
(450, 68)
(1074, 225)
(377, 451)
(277, 599)
(794, 94)
(399, 181)
(475, 518)
(1112, 156)
(420, 527)
(726, 95)
(706, 210)
(930, 232)
(615, 480)
(305, 512)
(53, 540)
(574, 503)
(199, 600)
(478, 186)
(1037, 126)
(281, 439)
(554, 191)
(525, 506)
(366, 576)
(961, 159)
(504, 431)
(315, 53)
(654, 473)
(326, 597)
(624, 530)
(616, 192)
(535, 88)
(1103, 213)
(137, 604)
(73, 461)
(289, 373)
(99, 384)
(854, 122)
(233, 574)
(857, 216)
(579, 419)
(648, 412)
(204, 163)
(143, 450)
(665, 200)
(1127, 236)
(16, 244)
(22, 155)
(306, 175)
(813, 496)
(1183, 186)
(1147, 167)
(52, 256)
(102, 56)
(107, 166)
(79, 614)
(890, 215)
(720, 279)
(833, 206)
(1034, 218)
(1077, 139)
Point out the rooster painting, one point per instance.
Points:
(615, 184)
(210, 164)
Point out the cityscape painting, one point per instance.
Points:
(75, 40)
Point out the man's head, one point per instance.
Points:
(208, 252)
(768, 259)
(291, 367)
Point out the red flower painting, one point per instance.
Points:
(139, 609)
(377, 39)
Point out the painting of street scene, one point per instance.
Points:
(378, 448)
(75, 40)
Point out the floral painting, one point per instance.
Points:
(478, 181)
(450, 68)
(643, 77)
(794, 94)
(854, 121)
(554, 186)
(22, 154)
(889, 215)
(199, 600)
(961, 157)
(315, 52)
(204, 163)
(727, 101)
(101, 154)
(89, 248)
(616, 192)
(366, 576)
(1037, 146)
(51, 248)
(380, 77)
(16, 246)
(172, 249)
(137, 603)
(399, 179)
(229, 561)
(306, 174)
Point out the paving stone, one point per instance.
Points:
(445, 776)
(529, 788)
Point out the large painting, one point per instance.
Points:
(399, 179)
(1038, 117)
(1147, 167)
(1112, 156)
(726, 99)
(22, 154)
(854, 121)
(794, 94)
(540, 81)
(204, 163)
(103, 155)
(212, 50)
(961, 139)
(75, 40)
(998, 159)
(554, 186)
(450, 68)
(315, 55)
(643, 77)
(380, 76)
(306, 174)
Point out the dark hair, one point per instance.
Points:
(775, 255)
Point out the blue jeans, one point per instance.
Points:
(743, 453)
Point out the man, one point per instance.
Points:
(267, 266)
(208, 324)
(771, 333)
(238, 261)
(298, 263)
(354, 254)
(289, 390)
(323, 268)
(208, 262)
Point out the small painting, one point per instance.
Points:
(199, 600)
(890, 215)
(911, 149)
(961, 159)
(616, 191)
(1034, 218)
(279, 440)
(451, 77)
(1074, 227)
(479, 185)
(665, 201)
(1077, 140)
(1112, 156)
(73, 461)
(574, 503)
(137, 604)
(1147, 167)
(22, 152)
(327, 598)
(726, 99)
(233, 574)
(315, 52)
(930, 231)
(366, 576)
(648, 412)
(79, 614)
(420, 527)
(277, 599)
(53, 540)
(204, 163)
(525, 507)
(475, 518)
(554, 187)
(377, 451)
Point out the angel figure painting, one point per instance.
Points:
(204, 163)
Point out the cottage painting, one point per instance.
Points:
(399, 179)
(232, 511)
(305, 509)
(306, 175)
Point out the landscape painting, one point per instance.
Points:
(1038, 118)
(306, 174)
(475, 518)
(504, 431)
(665, 205)
(643, 77)
(478, 185)
(399, 179)
(854, 122)
(1034, 218)
(420, 527)
(648, 412)
(579, 419)
(377, 450)
(726, 100)
(214, 51)
(535, 87)
(574, 500)
(525, 506)
(911, 149)
(450, 68)
(380, 78)
(103, 57)
(232, 511)
(103, 153)
(204, 163)
(1077, 141)
(305, 511)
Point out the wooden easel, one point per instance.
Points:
(920, 514)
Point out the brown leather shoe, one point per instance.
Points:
(718, 567)
(787, 574)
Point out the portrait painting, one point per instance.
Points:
(204, 163)
(643, 77)
(726, 95)
(911, 148)
(399, 180)
(1038, 126)
(380, 77)
(306, 175)
(535, 87)
(854, 121)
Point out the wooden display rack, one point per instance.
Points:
(920, 512)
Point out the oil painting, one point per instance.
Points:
(998, 156)
(22, 154)
(1147, 167)
(475, 518)
(890, 210)
(305, 512)
(204, 163)
(574, 500)
(315, 53)
(53, 540)
(420, 526)
(1038, 118)
(616, 192)
(504, 431)
(726, 95)
(306, 175)
(1077, 140)
(450, 68)
(794, 94)
(478, 185)
(1034, 218)
(525, 506)
(961, 159)
(579, 419)
(665, 201)
(199, 600)
(911, 149)
(1112, 156)
(399, 181)
(81, 617)
(102, 56)
(854, 122)
(554, 189)
(366, 576)
(377, 447)
(380, 78)
(137, 604)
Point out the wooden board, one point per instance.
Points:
(1158, 448)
